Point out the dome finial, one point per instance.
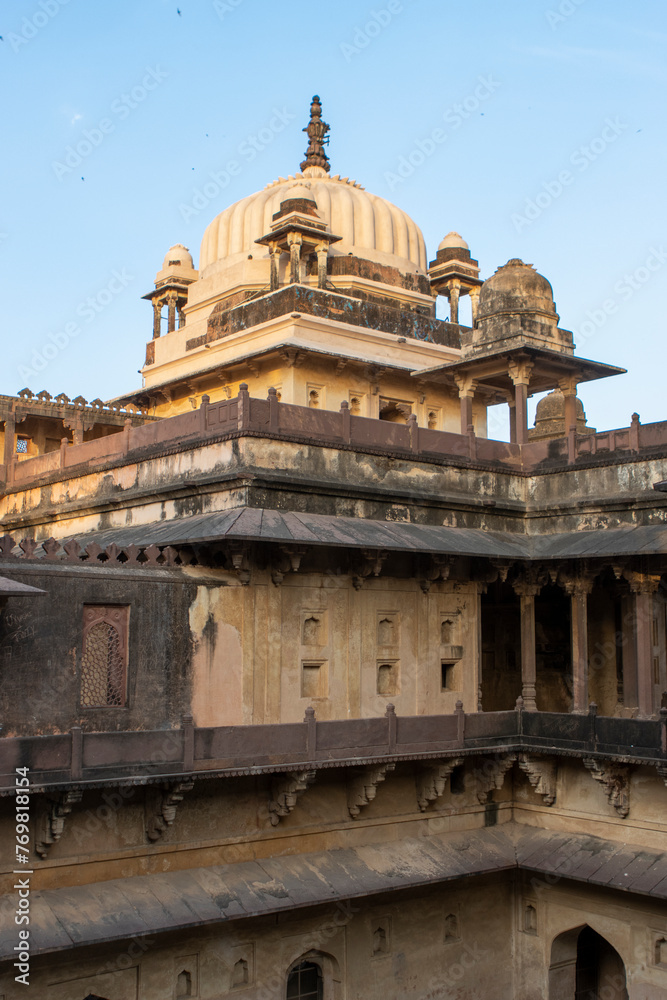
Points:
(317, 138)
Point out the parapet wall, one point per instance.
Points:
(268, 417)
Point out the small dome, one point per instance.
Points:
(178, 256)
(299, 191)
(552, 407)
(453, 239)
(516, 288)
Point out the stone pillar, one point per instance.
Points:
(171, 321)
(157, 312)
(519, 372)
(568, 386)
(181, 317)
(579, 588)
(295, 240)
(10, 440)
(527, 593)
(629, 648)
(644, 586)
(474, 301)
(453, 291)
(322, 251)
(467, 386)
(275, 261)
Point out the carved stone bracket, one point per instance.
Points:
(362, 787)
(370, 564)
(285, 790)
(542, 773)
(53, 821)
(615, 779)
(491, 774)
(431, 781)
(161, 805)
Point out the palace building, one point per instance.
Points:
(318, 690)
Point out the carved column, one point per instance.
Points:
(474, 301)
(644, 586)
(181, 317)
(295, 240)
(322, 251)
(10, 439)
(527, 592)
(467, 386)
(453, 292)
(519, 372)
(568, 386)
(579, 588)
(275, 261)
(171, 321)
(157, 312)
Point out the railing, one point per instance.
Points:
(79, 758)
(337, 429)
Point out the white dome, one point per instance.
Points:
(298, 190)
(370, 227)
(453, 239)
(177, 256)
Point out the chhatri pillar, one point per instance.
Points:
(467, 386)
(519, 372)
(568, 386)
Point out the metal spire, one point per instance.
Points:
(317, 138)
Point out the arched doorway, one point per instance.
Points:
(584, 966)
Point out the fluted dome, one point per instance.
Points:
(369, 226)
(453, 239)
(516, 288)
(177, 256)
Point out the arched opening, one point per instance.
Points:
(584, 966)
(305, 982)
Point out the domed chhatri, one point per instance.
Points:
(178, 256)
(453, 239)
(517, 288)
(454, 273)
(516, 308)
(550, 418)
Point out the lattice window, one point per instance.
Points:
(305, 982)
(21, 446)
(104, 659)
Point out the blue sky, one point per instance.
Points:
(552, 112)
